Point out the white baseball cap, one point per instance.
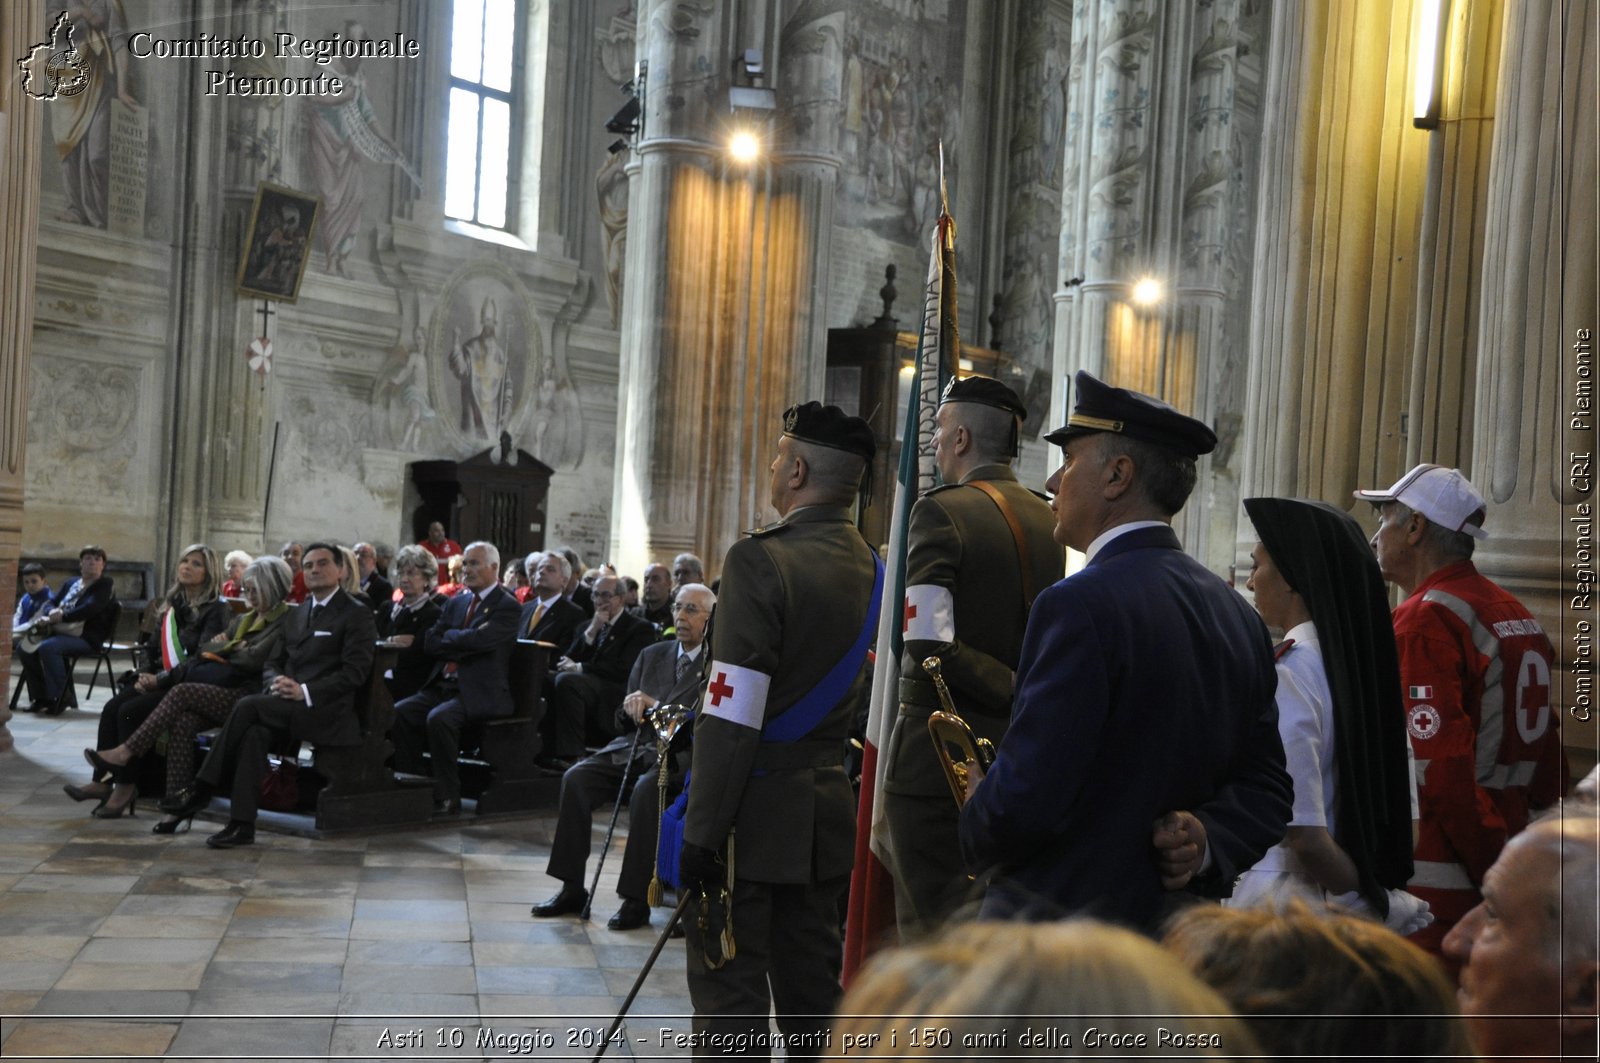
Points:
(1442, 495)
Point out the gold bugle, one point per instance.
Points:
(949, 731)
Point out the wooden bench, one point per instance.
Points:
(500, 773)
(361, 790)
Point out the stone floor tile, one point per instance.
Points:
(72, 1037)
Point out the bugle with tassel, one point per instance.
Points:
(953, 739)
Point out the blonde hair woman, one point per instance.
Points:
(1042, 989)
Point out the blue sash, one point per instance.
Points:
(801, 718)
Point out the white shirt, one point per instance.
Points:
(1121, 529)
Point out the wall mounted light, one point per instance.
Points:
(1427, 91)
(744, 147)
(1148, 291)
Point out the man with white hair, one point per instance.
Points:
(1475, 669)
(471, 646)
(1530, 979)
(549, 615)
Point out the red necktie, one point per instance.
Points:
(450, 667)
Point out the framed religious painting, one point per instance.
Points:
(277, 243)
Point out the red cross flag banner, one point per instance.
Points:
(870, 921)
(259, 354)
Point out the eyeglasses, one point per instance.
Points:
(604, 594)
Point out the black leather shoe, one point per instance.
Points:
(631, 916)
(552, 765)
(232, 836)
(448, 807)
(186, 802)
(568, 902)
(677, 929)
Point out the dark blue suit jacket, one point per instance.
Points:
(1146, 685)
(482, 652)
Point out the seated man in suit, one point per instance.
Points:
(589, 679)
(75, 627)
(673, 672)
(471, 646)
(379, 591)
(310, 693)
(549, 615)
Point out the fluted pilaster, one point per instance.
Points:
(21, 26)
(1533, 449)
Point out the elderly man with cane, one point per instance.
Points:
(671, 672)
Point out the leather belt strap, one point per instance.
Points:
(1023, 558)
(917, 694)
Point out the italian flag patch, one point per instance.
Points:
(1419, 693)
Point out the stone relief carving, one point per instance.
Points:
(83, 414)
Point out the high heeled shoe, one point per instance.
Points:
(173, 825)
(100, 764)
(186, 802)
(87, 793)
(107, 811)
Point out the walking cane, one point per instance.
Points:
(666, 932)
(616, 810)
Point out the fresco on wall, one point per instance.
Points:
(400, 395)
(343, 130)
(86, 125)
(895, 106)
(489, 373)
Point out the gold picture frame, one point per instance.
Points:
(277, 243)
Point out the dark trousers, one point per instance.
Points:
(787, 958)
(47, 679)
(122, 715)
(431, 720)
(239, 757)
(930, 881)
(581, 707)
(588, 784)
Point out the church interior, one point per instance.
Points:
(550, 271)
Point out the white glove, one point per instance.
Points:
(1407, 913)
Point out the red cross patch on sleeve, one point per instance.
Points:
(929, 615)
(738, 695)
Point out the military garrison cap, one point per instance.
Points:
(830, 426)
(985, 391)
(1099, 407)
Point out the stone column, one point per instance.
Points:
(1534, 364)
(1439, 424)
(722, 326)
(1154, 172)
(22, 25)
(1343, 175)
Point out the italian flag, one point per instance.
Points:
(171, 649)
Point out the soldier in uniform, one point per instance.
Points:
(768, 793)
(981, 549)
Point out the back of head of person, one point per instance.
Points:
(986, 989)
(1322, 984)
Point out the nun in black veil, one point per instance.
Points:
(1340, 717)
